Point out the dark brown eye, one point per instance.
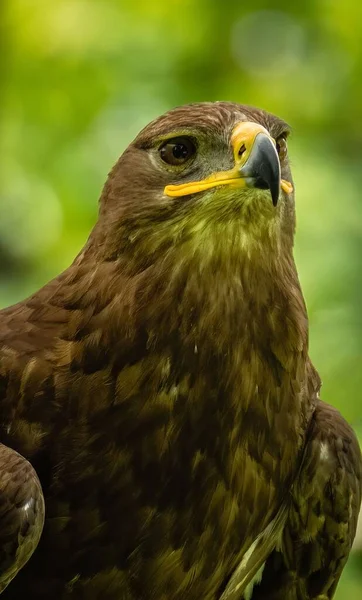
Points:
(177, 151)
(282, 147)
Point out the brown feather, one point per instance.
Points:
(161, 386)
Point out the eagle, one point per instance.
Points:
(162, 433)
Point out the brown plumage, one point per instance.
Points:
(161, 387)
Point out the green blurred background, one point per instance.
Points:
(79, 78)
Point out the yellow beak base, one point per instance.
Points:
(242, 141)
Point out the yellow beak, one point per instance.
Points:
(256, 165)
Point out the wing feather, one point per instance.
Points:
(21, 513)
(322, 520)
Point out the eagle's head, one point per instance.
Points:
(211, 177)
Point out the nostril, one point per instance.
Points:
(242, 149)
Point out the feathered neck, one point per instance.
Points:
(207, 280)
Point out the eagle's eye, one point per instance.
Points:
(177, 151)
(281, 146)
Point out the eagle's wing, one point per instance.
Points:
(322, 520)
(21, 513)
(242, 579)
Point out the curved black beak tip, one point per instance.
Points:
(275, 191)
(263, 166)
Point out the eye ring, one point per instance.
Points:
(177, 151)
